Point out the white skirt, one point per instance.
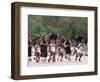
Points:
(53, 49)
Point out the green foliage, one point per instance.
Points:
(64, 26)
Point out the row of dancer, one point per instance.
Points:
(50, 50)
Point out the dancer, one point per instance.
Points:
(43, 46)
(52, 51)
(29, 48)
(67, 50)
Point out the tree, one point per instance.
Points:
(62, 25)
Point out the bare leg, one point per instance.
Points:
(30, 59)
(37, 57)
(66, 57)
(69, 58)
(76, 57)
(53, 58)
(50, 58)
(80, 57)
(61, 58)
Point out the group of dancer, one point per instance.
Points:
(50, 48)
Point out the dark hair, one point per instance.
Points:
(44, 41)
(67, 42)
